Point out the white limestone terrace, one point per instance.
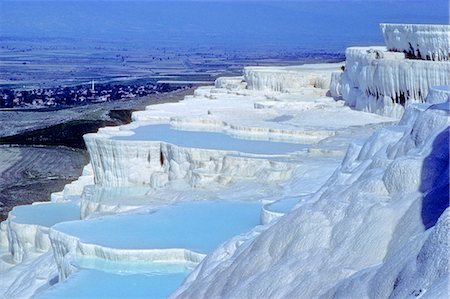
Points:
(230, 82)
(26, 229)
(69, 243)
(157, 164)
(302, 114)
(310, 172)
(420, 41)
(289, 78)
(385, 80)
(211, 137)
(209, 140)
(183, 232)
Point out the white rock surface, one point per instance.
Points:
(439, 94)
(384, 82)
(287, 79)
(423, 41)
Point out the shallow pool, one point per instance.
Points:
(132, 266)
(442, 87)
(46, 214)
(199, 226)
(210, 140)
(282, 205)
(90, 283)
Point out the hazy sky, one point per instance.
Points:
(331, 24)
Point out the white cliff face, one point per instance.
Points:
(288, 79)
(335, 85)
(421, 41)
(27, 227)
(384, 82)
(371, 229)
(134, 163)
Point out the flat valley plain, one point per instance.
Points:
(28, 63)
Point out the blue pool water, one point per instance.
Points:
(90, 283)
(282, 205)
(442, 87)
(132, 267)
(210, 140)
(199, 226)
(46, 214)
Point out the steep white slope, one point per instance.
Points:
(421, 41)
(419, 268)
(25, 278)
(387, 193)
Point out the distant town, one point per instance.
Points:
(78, 95)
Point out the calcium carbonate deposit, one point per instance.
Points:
(312, 181)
